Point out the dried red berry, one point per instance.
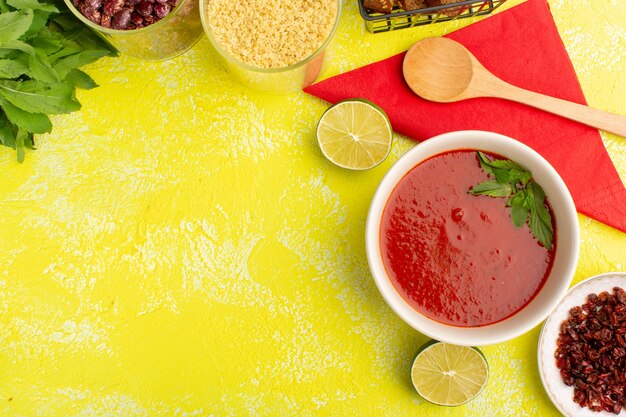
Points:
(591, 352)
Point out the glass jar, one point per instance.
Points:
(283, 80)
(169, 37)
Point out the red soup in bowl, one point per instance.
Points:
(455, 257)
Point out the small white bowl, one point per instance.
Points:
(561, 395)
(567, 235)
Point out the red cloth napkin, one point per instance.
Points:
(521, 46)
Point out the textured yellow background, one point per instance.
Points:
(180, 247)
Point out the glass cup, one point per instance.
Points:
(169, 37)
(283, 80)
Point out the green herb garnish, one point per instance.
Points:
(524, 196)
(42, 45)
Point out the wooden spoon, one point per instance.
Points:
(442, 70)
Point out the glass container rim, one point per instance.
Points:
(120, 32)
(249, 67)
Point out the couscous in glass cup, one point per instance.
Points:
(293, 56)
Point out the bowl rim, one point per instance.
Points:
(566, 256)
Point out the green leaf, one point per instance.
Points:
(67, 50)
(36, 97)
(540, 208)
(14, 24)
(74, 30)
(40, 68)
(40, 19)
(538, 193)
(519, 212)
(3, 6)
(17, 46)
(12, 69)
(80, 79)
(539, 229)
(505, 164)
(492, 189)
(540, 219)
(32, 4)
(511, 176)
(20, 143)
(64, 65)
(7, 131)
(485, 163)
(525, 197)
(505, 170)
(47, 41)
(33, 122)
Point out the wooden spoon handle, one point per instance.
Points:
(591, 117)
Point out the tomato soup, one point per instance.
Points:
(454, 257)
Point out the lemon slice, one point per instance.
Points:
(450, 375)
(355, 134)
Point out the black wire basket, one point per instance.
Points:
(401, 19)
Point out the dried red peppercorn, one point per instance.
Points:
(591, 352)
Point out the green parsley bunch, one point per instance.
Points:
(42, 47)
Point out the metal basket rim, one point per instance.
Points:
(427, 10)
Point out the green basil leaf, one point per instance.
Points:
(35, 97)
(89, 40)
(540, 208)
(10, 68)
(80, 79)
(40, 19)
(33, 122)
(539, 229)
(14, 24)
(40, 68)
(506, 164)
(519, 213)
(7, 131)
(511, 176)
(67, 50)
(538, 193)
(20, 143)
(32, 4)
(17, 46)
(485, 163)
(492, 189)
(64, 65)
(525, 197)
(47, 41)
(540, 219)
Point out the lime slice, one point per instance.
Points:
(447, 374)
(355, 134)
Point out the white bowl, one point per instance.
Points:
(567, 236)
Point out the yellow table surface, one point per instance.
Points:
(180, 247)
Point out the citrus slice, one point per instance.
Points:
(450, 375)
(355, 134)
